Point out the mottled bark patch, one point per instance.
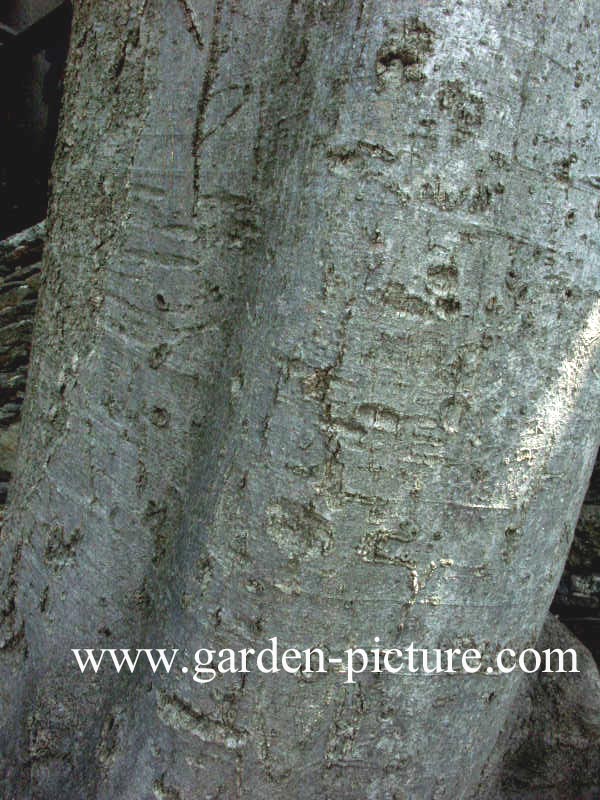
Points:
(387, 547)
(155, 517)
(400, 298)
(182, 716)
(158, 355)
(404, 54)
(298, 529)
(465, 107)
(61, 545)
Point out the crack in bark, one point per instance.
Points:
(209, 79)
(221, 124)
(191, 23)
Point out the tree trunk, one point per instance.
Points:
(315, 358)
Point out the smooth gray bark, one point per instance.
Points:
(316, 358)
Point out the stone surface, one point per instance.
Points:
(550, 746)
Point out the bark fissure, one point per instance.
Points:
(210, 74)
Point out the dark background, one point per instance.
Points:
(34, 36)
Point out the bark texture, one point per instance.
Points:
(20, 258)
(315, 358)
